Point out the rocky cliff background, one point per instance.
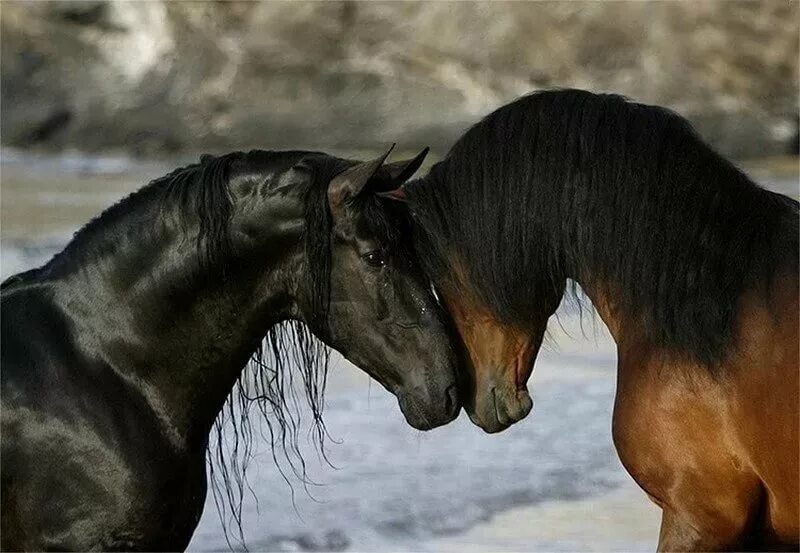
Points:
(159, 77)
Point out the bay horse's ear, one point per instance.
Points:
(401, 171)
(349, 183)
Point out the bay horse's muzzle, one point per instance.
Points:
(498, 406)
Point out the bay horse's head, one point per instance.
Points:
(498, 354)
(381, 313)
(499, 311)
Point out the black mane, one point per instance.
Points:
(570, 184)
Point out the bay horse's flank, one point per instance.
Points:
(691, 265)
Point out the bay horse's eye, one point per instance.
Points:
(374, 259)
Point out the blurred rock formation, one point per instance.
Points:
(159, 77)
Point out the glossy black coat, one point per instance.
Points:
(118, 355)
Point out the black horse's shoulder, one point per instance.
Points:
(33, 329)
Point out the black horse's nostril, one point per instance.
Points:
(451, 400)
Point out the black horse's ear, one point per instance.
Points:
(349, 183)
(401, 171)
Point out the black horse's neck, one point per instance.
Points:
(177, 308)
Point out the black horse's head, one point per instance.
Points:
(356, 282)
(382, 314)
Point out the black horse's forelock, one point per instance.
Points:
(570, 184)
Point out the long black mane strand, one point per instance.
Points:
(268, 386)
(570, 184)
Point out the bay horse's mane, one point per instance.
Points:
(568, 183)
(199, 194)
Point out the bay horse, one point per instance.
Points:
(690, 264)
(119, 353)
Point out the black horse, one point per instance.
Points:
(119, 353)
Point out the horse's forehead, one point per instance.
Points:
(351, 226)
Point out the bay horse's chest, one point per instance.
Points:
(718, 454)
(679, 445)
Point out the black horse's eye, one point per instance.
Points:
(374, 259)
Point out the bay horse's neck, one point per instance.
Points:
(181, 330)
(696, 280)
(624, 329)
(623, 198)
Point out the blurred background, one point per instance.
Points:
(156, 77)
(98, 97)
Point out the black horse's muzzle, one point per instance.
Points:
(425, 408)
